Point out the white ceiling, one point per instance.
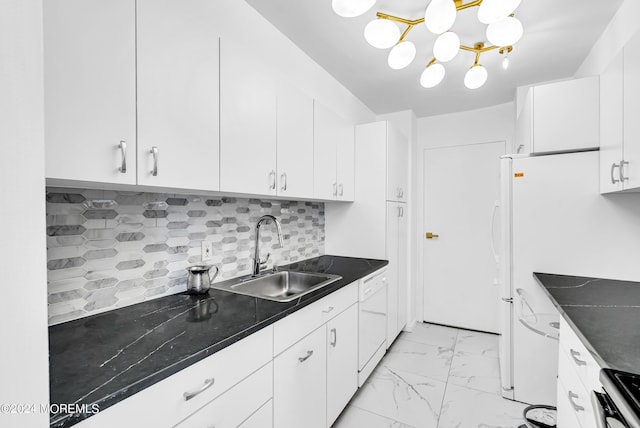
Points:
(558, 36)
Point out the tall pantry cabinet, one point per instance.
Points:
(375, 225)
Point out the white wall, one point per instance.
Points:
(470, 127)
(622, 27)
(24, 364)
(243, 24)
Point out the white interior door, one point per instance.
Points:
(461, 187)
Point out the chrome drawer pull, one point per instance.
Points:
(154, 152)
(575, 406)
(303, 359)
(208, 383)
(123, 151)
(335, 337)
(575, 355)
(613, 167)
(622, 177)
(329, 309)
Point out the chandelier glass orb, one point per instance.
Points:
(401, 55)
(432, 75)
(446, 47)
(382, 33)
(506, 32)
(351, 8)
(491, 11)
(475, 77)
(440, 16)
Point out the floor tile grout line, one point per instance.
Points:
(444, 394)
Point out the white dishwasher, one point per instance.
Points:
(372, 322)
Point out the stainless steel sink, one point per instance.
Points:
(283, 286)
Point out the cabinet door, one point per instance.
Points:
(631, 109)
(345, 162)
(611, 102)
(566, 115)
(393, 216)
(342, 361)
(397, 165)
(90, 89)
(300, 383)
(295, 143)
(325, 134)
(178, 94)
(524, 125)
(403, 283)
(247, 122)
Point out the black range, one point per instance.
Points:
(105, 358)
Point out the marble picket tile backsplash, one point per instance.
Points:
(108, 249)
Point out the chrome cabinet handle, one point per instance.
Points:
(305, 358)
(507, 299)
(613, 167)
(208, 383)
(622, 177)
(329, 309)
(335, 189)
(154, 152)
(575, 354)
(283, 181)
(272, 179)
(340, 189)
(123, 151)
(335, 337)
(575, 406)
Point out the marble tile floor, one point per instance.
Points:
(435, 377)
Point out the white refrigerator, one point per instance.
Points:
(549, 206)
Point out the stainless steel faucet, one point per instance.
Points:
(257, 263)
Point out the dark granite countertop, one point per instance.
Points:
(105, 358)
(604, 313)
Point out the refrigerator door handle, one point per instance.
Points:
(496, 257)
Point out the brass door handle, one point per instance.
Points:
(430, 235)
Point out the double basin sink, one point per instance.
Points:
(283, 286)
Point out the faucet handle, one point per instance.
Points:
(263, 263)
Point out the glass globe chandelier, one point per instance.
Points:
(503, 31)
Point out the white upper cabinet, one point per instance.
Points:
(333, 155)
(560, 116)
(178, 99)
(295, 143)
(397, 165)
(630, 171)
(247, 123)
(90, 90)
(620, 128)
(611, 137)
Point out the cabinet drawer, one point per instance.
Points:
(578, 396)
(289, 330)
(164, 403)
(237, 405)
(580, 358)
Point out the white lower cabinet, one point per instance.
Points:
(299, 387)
(342, 361)
(577, 377)
(237, 405)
